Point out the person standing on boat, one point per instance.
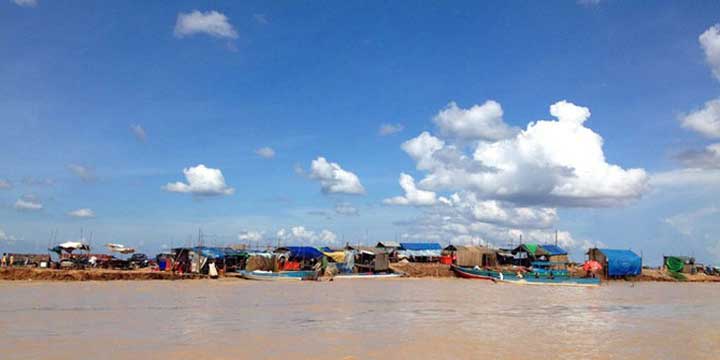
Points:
(4, 260)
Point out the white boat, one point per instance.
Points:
(279, 276)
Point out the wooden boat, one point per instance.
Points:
(367, 276)
(511, 278)
(470, 273)
(561, 281)
(280, 276)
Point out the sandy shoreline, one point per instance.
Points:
(412, 270)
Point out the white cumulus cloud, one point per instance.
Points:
(265, 152)
(83, 213)
(705, 121)
(552, 162)
(480, 122)
(413, 195)
(334, 179)
(210, 23)
(201, 181)
(710, 42)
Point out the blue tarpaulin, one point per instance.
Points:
(622, 262)
(217, 252)
(302, 252)
(420, 246)
(553, 250)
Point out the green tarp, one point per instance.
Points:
(674, 264)
(532, 248)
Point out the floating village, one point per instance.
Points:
(524, 264)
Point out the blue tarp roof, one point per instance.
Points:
(622, 262)
(420, 246)
(303, 252)
(554, 250)
(217, 252)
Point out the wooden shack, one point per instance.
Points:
(391, 248)
(371, 259)
(469, 256)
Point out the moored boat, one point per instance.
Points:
(279, 276)
(471, 273)
(513, 278)
(561, 281)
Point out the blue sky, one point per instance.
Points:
(319, 79)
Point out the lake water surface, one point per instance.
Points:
(363, 319)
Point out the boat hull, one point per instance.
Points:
(279, 276)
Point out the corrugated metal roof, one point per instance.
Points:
(554, 250)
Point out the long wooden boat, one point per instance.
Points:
(470, 273)
(562, 281)
(366, 276)
(280, 276)
(512, 278)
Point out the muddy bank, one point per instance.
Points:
(88, 275)
(660, 275)
(423, 269)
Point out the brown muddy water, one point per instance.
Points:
(356, 319)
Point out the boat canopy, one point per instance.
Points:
(70, 246)
(120, 248)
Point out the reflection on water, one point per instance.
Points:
(406, 319)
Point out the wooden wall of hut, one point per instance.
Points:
(475, 256)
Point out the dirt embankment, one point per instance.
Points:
(87, 275)
(661, 275)
(423, 269)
